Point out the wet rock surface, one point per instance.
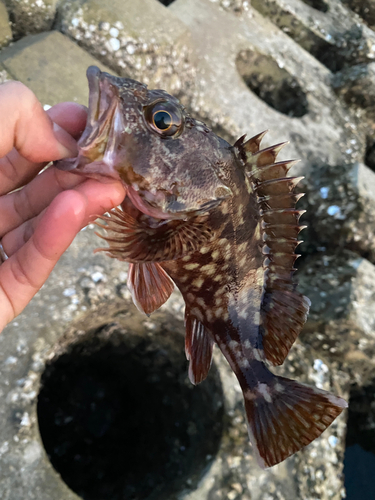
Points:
(84, 375)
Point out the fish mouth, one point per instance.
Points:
(105, 124)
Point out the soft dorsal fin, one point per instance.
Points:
(149, 285)
(283, 309)
(134, 240)
(198, 349)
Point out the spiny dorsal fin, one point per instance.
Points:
(149, 285)
(134, 240)
(283, 309)
(198, 349)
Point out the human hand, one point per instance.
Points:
(39, 221)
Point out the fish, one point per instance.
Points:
(220, 223)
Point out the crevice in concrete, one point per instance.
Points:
(273, 84)
(359, 463)
(317, 4)
(119, 419)
(370, 153)
(166, 2)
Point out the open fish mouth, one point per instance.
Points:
(98, 143)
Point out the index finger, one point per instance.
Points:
(26, 128)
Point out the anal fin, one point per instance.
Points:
(198, 349)
(285, 416)
(149, 285)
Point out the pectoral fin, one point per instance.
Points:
(149, 285)
(134, 240)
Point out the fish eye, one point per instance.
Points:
(164, 118)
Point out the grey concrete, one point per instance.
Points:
(143, 40)
(51, 65)
(31, 17)
(5, 31)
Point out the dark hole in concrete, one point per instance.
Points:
(166, 2)
(120, 420)
(272, 84)
(317, 4)
(359, 462)
(370, 154)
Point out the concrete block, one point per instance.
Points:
(356, 85)
(341, 322)
(141, 40)
(5, 31)
(325, 28)
(340, 203)
(30, 17)
(50, 64)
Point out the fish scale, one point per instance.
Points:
(220, 223)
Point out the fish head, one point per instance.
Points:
(171, 164)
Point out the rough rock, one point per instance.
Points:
(365, 8)
(356, 85)
(143, 40)
(31, 16)
(341, 322)
(325, 28)
(5, 31)
(37, 61)
(340, 203)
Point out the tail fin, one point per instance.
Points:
(285, 416)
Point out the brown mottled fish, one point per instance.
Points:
(219, 222)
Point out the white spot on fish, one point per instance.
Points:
(204, 250)
(279, 387)
(215, 254)
(201, 302)
(264, 390)
(243, 363)
(190, 267)
(218, 312)
(198, 282)
(257, 355)
(249, 395)
(197, 313)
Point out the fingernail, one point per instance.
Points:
(67, 145)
